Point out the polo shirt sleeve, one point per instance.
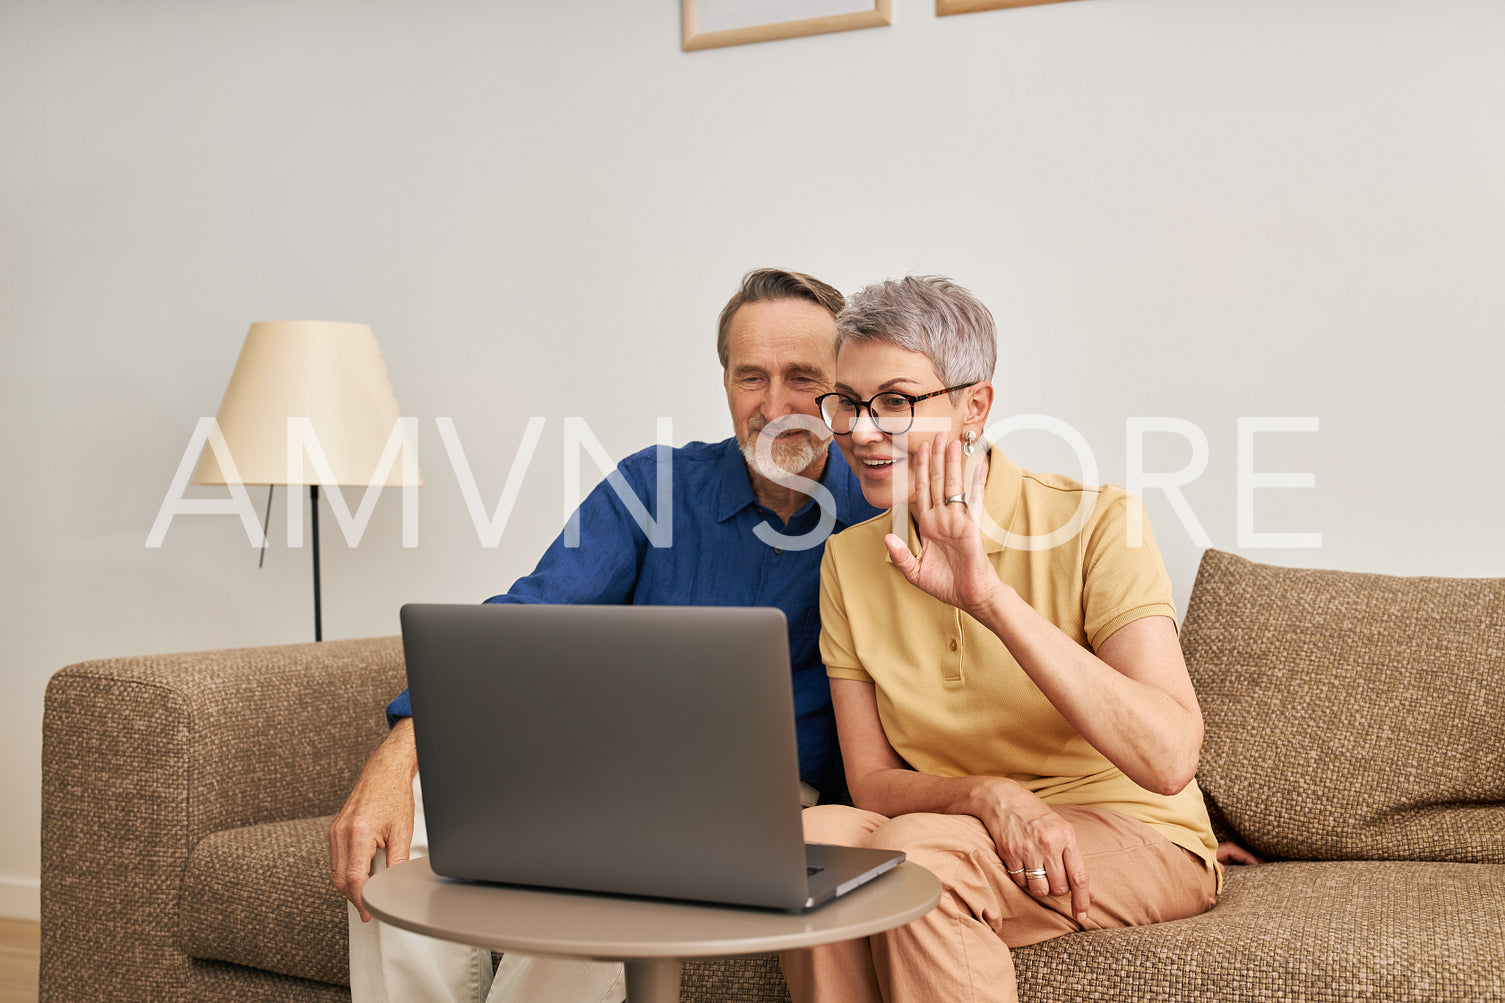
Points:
(1121, 582)
(836, 648)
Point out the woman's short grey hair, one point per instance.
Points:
(928, 314)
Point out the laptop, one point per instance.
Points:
(634, 750)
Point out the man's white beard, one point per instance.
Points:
(781, 460)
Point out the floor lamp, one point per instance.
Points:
(333, 376)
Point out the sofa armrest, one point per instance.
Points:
(143, 757)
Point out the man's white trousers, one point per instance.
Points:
(388, 965)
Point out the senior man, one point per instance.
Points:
(750, 519)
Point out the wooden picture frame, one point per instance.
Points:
(871, 14)
(945, 7)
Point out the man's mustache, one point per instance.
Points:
(778, 426)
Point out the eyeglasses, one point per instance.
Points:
(892, 412)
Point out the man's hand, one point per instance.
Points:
(1230, 852)
(378, 815)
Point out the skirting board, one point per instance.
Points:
(20, 898)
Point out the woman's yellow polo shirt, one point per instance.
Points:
(952, 699)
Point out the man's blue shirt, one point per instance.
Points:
(715, 559)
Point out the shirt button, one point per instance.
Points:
(953, 645)
(778, 550)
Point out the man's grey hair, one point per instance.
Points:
(763, 284)
(928, 314)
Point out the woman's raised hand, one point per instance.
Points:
(953, 565)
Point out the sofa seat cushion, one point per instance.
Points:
(753, 978)
(261, 897)
(1351, 716)
(1417, 932)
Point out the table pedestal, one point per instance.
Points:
(654, 980)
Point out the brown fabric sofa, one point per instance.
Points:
(1355, 731)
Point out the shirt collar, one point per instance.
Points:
(734, 492)
(1000, 499)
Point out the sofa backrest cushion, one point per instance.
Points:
(1351, 716)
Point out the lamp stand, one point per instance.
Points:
(313, 497)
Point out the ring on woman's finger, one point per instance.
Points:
(1035, 872)
(1019, 871)
(953, 499)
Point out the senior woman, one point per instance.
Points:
(1012, 705)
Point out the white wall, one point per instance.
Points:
(1203, 209)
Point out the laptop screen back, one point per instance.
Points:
(632, 749)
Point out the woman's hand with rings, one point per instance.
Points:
(1038, 848)
(953, 565)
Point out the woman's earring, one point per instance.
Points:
(969, 444)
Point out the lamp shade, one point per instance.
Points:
(329, 373)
